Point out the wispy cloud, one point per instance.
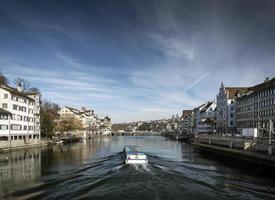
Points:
(197, 81)
(154, 62)
(174, 46)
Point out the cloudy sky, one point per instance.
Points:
(137, 60)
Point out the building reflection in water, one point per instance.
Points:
(31, 167)
(19, 167)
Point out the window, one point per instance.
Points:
(16, 127)
(4, 116)
(5, 96)
(15, 107)
(4, 138)
(231, 115)
(19, 117)
(4, 105)
(25, 128)
(4, 127)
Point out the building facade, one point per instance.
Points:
(256, 108)
(19, 117)
(90, 122)
(185, 126)
(205, 118)
(226, 109)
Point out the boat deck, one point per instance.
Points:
(134, 155)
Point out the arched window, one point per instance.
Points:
(4, 138)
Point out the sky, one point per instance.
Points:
(137, 60)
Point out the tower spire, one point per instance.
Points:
(222, 86)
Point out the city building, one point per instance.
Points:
(205, 118)
(84, 115)
(256, 107)
(90, 122)
(19, 117)
(185, 126)
(226, 109)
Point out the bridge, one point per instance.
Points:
(139, 133)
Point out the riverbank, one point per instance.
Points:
(252, 150)
(247, 149)
(27, 146)
(259, 158)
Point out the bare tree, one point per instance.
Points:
(3, 79)
(33, 89)
(90, 126)
(20, 82)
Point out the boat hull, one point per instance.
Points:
(137, 161)
(134, 156)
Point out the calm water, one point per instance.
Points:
(95, 170)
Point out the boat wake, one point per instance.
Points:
(109, 178)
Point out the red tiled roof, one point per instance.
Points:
(233, 91)
(261, 86)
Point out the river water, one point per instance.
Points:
(95, 170)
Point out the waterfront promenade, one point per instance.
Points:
(260, 150)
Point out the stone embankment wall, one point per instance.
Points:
(18, 143)
(247, 144)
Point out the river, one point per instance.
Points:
(95, 170)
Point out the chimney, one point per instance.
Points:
(266, 79)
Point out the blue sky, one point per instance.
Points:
(137, 60)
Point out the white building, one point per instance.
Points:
(226, 109)
(90, 122)
(85, 116)
(19, 117)
(205, 116)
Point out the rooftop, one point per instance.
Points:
(16, 92)
(234, 91)
(4, 111)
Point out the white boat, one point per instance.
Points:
(59, 142)
(134, 155)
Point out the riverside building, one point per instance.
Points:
(19, 117)
(256, 108)
(90, 122)
(205, 118)
(226, 109)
